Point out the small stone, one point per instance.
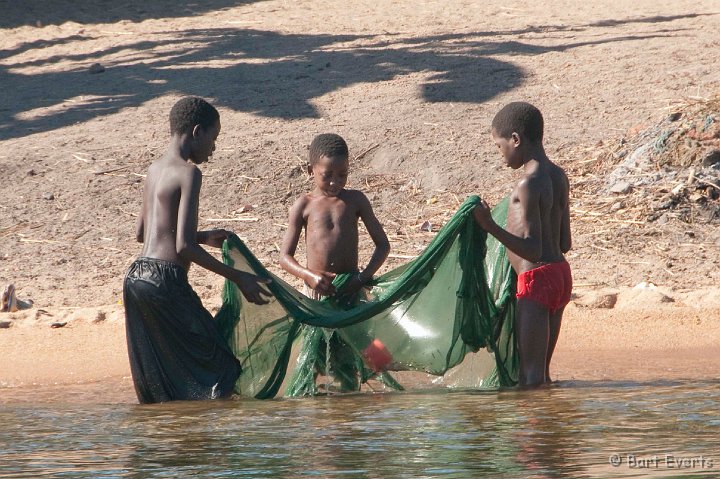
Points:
(697, 197)
(663, 219)
(48, 196)
(621, 187)
(711, 158)
(58, 325)
(96, 68)
(674, 116)
(606, 301)
(616, 206)
(597, 300)
(99, 317)
(665, 203)
(5, 324)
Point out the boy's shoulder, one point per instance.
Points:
(354, 194)
(556, 171)
(356, 198)
(346, 194)
(312, 202)
(174, 174)
(300, 207)
(547, 170)
(303, 199)
(175, 164)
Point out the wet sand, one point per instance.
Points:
(646, 336)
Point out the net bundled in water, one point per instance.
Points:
(448, 313)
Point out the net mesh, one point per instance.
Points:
(447, 313)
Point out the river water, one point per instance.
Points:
(574, 429)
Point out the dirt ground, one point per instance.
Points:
(412, 86)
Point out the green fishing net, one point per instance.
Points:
(446, 315)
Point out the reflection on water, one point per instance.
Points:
(566, 431)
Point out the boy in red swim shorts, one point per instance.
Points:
(537, 236)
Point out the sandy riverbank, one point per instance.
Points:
(412, 86)
(648, 334)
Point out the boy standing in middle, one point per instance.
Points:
(329, 214)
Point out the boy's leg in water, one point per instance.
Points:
(555, 322)
(346, 364)
(532, 329)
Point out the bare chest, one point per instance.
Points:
(333, 217)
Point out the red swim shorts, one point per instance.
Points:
(549, 285)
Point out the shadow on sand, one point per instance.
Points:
(262, 72)
(56, 12)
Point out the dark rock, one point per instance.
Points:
(711, 158)
(96, 68)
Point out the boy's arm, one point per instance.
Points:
(565, 237)
(528, 242)
(319, 281)
(188, 248)
(377, 233)
(140, 225)
(382, 249)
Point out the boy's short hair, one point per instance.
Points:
(191, 111)
(519, 117)
(329, 145)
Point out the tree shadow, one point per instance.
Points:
(275, 75)
(56, 12)
(266, 73)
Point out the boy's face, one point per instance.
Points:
(330, 175)
(204, 144)
(509, 148)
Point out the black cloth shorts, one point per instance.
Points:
(175, 348)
